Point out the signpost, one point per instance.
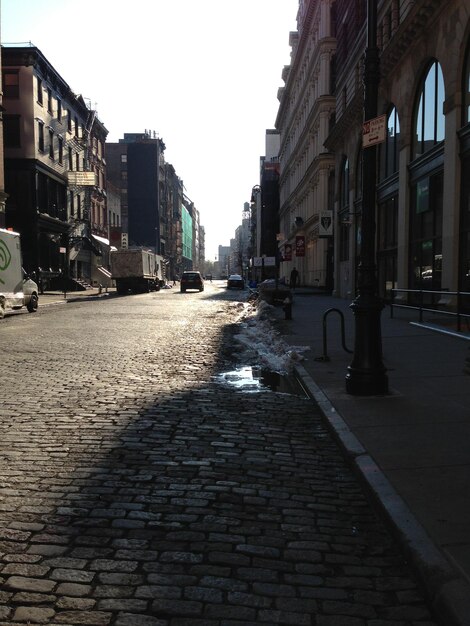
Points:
(374, 131)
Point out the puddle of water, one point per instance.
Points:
(258, 379)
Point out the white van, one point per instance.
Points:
(16, 288)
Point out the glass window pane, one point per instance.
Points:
(429, 109)
(440, 121)
(419, 128)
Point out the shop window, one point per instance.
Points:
(429, 120)
(426, 233)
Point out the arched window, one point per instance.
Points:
(389, 149)
(345, 185)
(344, 213)
(429, 121)
(466, 89)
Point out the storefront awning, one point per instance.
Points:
(101, 240)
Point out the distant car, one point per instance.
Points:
(191, 280)
(235, 281)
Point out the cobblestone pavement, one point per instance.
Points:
(135, 489)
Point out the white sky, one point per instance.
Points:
(203, 74)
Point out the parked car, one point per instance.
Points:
(191, 280)
(235, 281)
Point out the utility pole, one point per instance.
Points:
(367, 374)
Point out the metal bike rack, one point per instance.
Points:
(325, 356)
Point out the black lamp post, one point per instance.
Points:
(367, 374)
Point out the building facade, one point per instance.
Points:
(135, 165)
(306, 107)
(155, 211)
(423, 166)
(53, 178)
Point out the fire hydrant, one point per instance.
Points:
(287, 306)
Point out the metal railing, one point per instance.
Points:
(449, 303)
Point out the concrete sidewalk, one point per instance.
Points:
(410, 446)
(59, 297)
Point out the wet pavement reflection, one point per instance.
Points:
(256, 379)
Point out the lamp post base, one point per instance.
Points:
(367, 375)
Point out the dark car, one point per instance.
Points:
(191, 280)
(235, 281)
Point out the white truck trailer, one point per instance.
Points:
(136, 270)
(16, 288)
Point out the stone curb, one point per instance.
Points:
(71, 299)
(448, 591)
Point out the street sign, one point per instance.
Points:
(81, 179)
(374, 131)
(300, 245)
(325, 228)
(266, 261)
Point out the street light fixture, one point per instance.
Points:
(367, 374)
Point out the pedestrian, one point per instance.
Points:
(294, 276)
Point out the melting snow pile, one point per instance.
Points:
(262, 343)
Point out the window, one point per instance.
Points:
(70, 158)
(429, 121)
(11, 131)
(387, 196)
(51, 144)
(123, 158)
(69, 120)
(76, 126)
(345, 185)
(61, 149)
(344, 214)
(11, 84)
(426, 232)
(389, 150)
(59, 110)
(41, 136)
(466, 89)
(39, 88)
(71, 203)
(77, 162)
(49, 100)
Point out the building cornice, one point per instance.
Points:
(408, 31)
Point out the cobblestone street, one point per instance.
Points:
(136, 489)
